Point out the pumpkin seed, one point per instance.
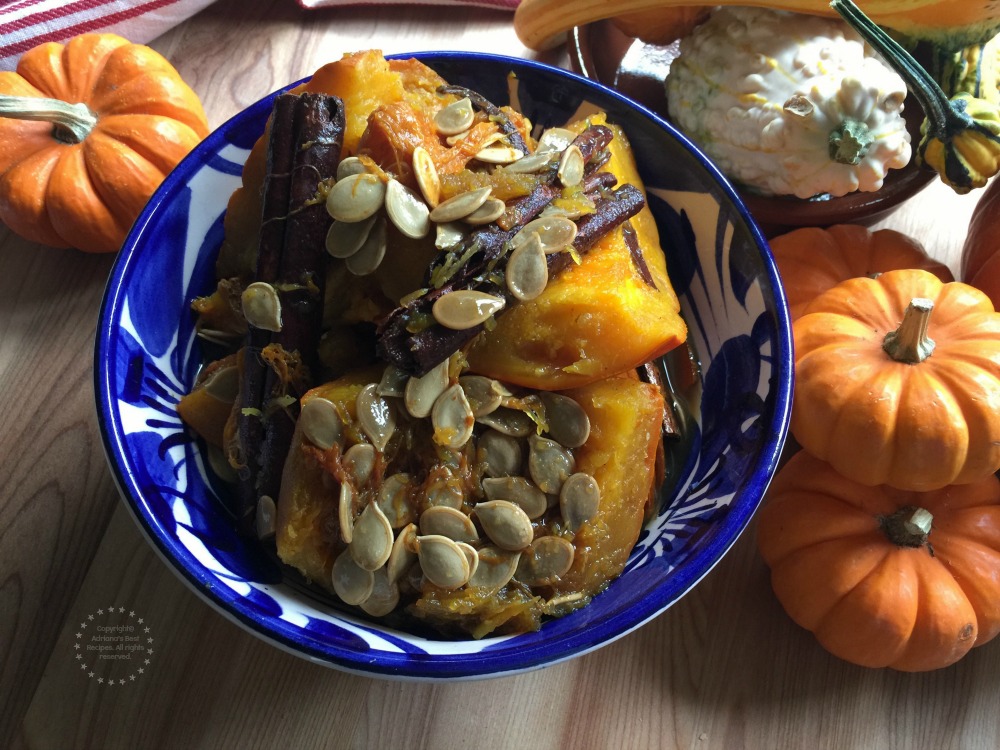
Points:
(452, 418)
(426, 174)
(406, 210)
(350, 165)
(549, 464)
(394, 500)
(453, 140)
(571, 165)
(496, 568)
(376, 416)
(402, 555)
(456, 118)
(562, 605)
(500, 454)
(494, 138)
(546, 560)
(519, 491)
(527, 271)
(356, 197)
(352, 583)
(345, 512)
(554, 232)
(448, 235)
(220, 465)
(471, 555)
(372, 251)
(529, 164)
(465, 308)
(393, 382)
(484, 394)
(359, 461)
(373, 538)
(262, 306)
(444, 521)
(568, 423)
(226, 339)
(554, 140)
(421, 393)
(345, 238)
(579, 500)
(579, 208)
(223, 384)
(444, 490)
(384, 596)
(321, 424)
(491, 210)
(507, 526)
(461, 205)
(499, 155)
(443, 562)
(266, 518)
(513, 422)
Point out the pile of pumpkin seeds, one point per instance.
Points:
(426, 528)
(364, 199)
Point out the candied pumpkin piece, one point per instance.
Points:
(306, 532)
(626, 418)
(621, 455)
(364, 81)
(595, 319)
(207, 407)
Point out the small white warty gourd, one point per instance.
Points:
(789, 104)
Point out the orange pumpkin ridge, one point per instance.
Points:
(917, 426)
(882, 576)
(812, 260)
(82, 181)
(981, 252)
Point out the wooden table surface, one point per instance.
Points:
(724, 668)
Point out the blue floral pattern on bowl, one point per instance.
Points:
(147, 356)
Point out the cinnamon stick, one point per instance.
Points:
(419, 351)
(306, 136)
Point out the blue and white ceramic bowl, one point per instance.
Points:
(147, 357)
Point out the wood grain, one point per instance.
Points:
(724, 668)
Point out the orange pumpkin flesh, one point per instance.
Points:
(364, 81)
(981, 252)
(868, 599)
(914, 426)
(812, 260)
(87, 194)
(594, 319)
(626, 416)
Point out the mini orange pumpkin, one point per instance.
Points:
(981, 253)
(917, 408)
(884, 577)
(812, 260)
(87, 132)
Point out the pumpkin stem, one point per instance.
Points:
(71, 123)
(910, 343)
(850, 141)
(908, 527)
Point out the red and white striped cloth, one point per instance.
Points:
(495, 4)
(26, 23)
